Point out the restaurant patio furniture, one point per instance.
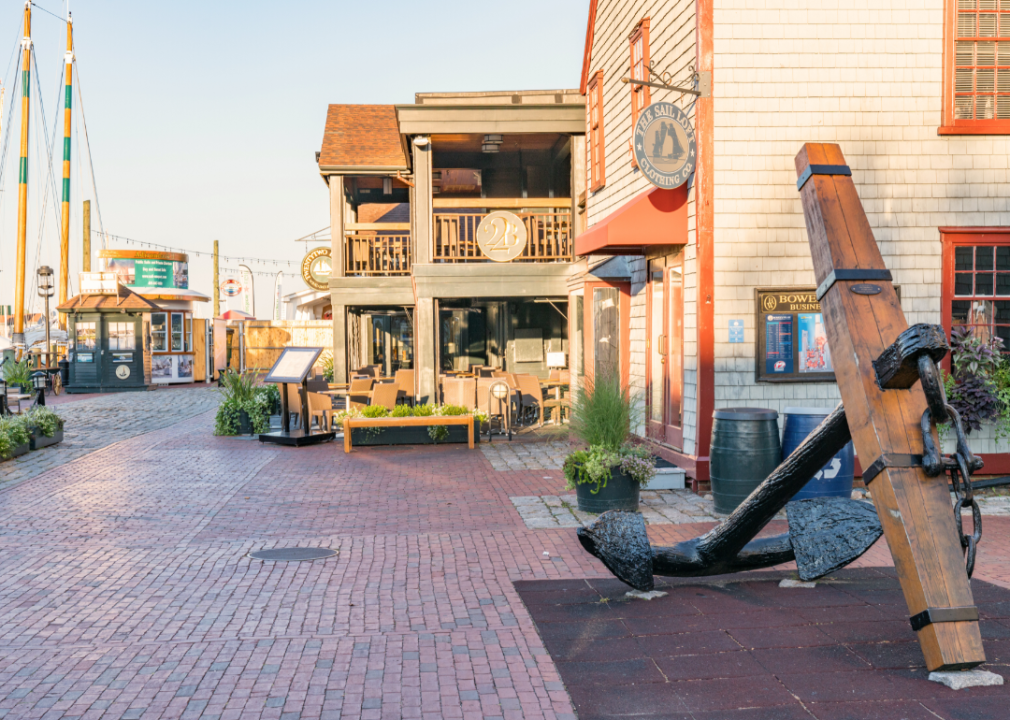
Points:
(358, 394)
(321, 406)
(405, 381)
(529, 386)
(385, 394)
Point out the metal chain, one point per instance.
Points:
(959, 466)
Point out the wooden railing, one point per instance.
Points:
(377, 250)
(547, 221)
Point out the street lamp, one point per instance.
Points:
(46, 289)
(500, 391)
(39, 383)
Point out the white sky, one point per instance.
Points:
(204, 117)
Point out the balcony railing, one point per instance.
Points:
(547, 221)
(377, 249)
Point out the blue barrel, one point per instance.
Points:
(835, 478)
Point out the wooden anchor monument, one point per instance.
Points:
(892, 399)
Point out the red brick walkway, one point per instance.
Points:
(126, 590)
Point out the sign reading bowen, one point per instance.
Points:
(664, 145)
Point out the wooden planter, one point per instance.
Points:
(408, 436)
(41, 441)
(621, 493)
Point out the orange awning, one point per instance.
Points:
(655, 217)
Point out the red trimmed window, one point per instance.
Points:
(976, 67)
(639, 41)
(976, 280)
(597, 167)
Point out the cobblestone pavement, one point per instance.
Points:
(657, 507)
(505, 455)
(127, 590)
(101, 420)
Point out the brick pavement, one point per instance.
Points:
(126, 590)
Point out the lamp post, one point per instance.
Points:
(4, 410)
(500, 391)
(46, 289)
(39, 383)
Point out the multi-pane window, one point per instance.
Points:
(640, 96)
(159, 332)
(982, 60)
(178, 344)
(122, 336)
(982, 290)
(86, 336)
(594, 132)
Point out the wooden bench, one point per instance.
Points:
(429, 421)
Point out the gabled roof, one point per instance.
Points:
(126, 300)
(361, 136)
(587, 56)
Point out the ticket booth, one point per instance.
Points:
(109, 342)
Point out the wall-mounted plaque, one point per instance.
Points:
(501, 236)
(664, 145)
(792, 343)
(317, 266)
(294, 365)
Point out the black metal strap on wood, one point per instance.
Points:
(821, 170)
(942, 615)
(850, 274)
(890, 460)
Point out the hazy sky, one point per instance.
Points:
(204, 117)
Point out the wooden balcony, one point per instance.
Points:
(377, 249)
(548, 223)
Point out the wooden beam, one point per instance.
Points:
(378, 227)
(502, 203)
(914, 509)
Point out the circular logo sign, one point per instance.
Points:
(122, 372)
(231, 287)
(501, 236)
(316, 269)
(664, 145)
(768, 302)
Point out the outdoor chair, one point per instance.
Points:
(460, 391)
(357, 393)
(294, 403)
(529, 386)
(321, 406)
(405, 381)
(384, 394)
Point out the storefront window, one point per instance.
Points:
(577, 347)
(159, 332)
(178, 344)
(122, 336)
(606, 331)
(86, 337)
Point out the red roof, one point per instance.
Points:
(362, 136)
(126, 300)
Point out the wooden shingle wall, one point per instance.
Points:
(672, 44)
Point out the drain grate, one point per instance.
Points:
(293, 554)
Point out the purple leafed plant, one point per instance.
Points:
(974, 361)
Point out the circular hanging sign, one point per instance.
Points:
(501, 236)
(122, 372)
(231, 287)
(664, 145)
(316, 269)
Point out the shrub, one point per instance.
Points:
(42, 420)
(601, 411)
(18, 373)
(327, 364)
(402, 411)
(15, 428)
(242, 394)
(375, 411)
(424, 410)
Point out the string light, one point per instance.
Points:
(223, 258)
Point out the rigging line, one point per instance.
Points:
(3, 157)
(51, 184)
(91, 162)
(48, 12)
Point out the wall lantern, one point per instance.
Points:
(494, 139)
(39, 383)
(489, 148)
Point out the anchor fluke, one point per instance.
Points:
(829, 533)
(619, 540)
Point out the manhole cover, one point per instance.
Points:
(293, 553)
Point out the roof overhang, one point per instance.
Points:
(362, 169)
(505, 119)
(654, 217)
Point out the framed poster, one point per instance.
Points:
(792, 345)
(294, 364)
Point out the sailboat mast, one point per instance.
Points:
(19, 278)
(65, 235)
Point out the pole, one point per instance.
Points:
(19, 278)
(87, 236)
(65, 236)
(217, 286)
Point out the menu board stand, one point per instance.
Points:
(293, 368)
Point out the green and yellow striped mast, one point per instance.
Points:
(19, 278)
(65, 234)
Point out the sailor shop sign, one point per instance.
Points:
(664, 145)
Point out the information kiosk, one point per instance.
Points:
(293, 367)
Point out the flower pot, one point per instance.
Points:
(620, 493)
(21, 449)
(408, 436)
(244, 423)
(41, 441)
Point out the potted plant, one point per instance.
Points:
(607, 475)
(245, 408)
(19, 374)
(15, 439)
(44, 426)
(410, 435)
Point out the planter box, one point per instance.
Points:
(407, 436)
(621, 493)
(667, 479)
(42, 441)
(21, 449)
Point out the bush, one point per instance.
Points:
(242, 394)
(375, 411)
(18, 373)
(424, 410)
(601, 412)
(402, 411)
(327, 364)
(42, 421)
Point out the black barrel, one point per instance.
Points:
(745, 450)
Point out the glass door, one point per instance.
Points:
(665, 363)
(607, 309)
(658, 379)
(674, 349)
